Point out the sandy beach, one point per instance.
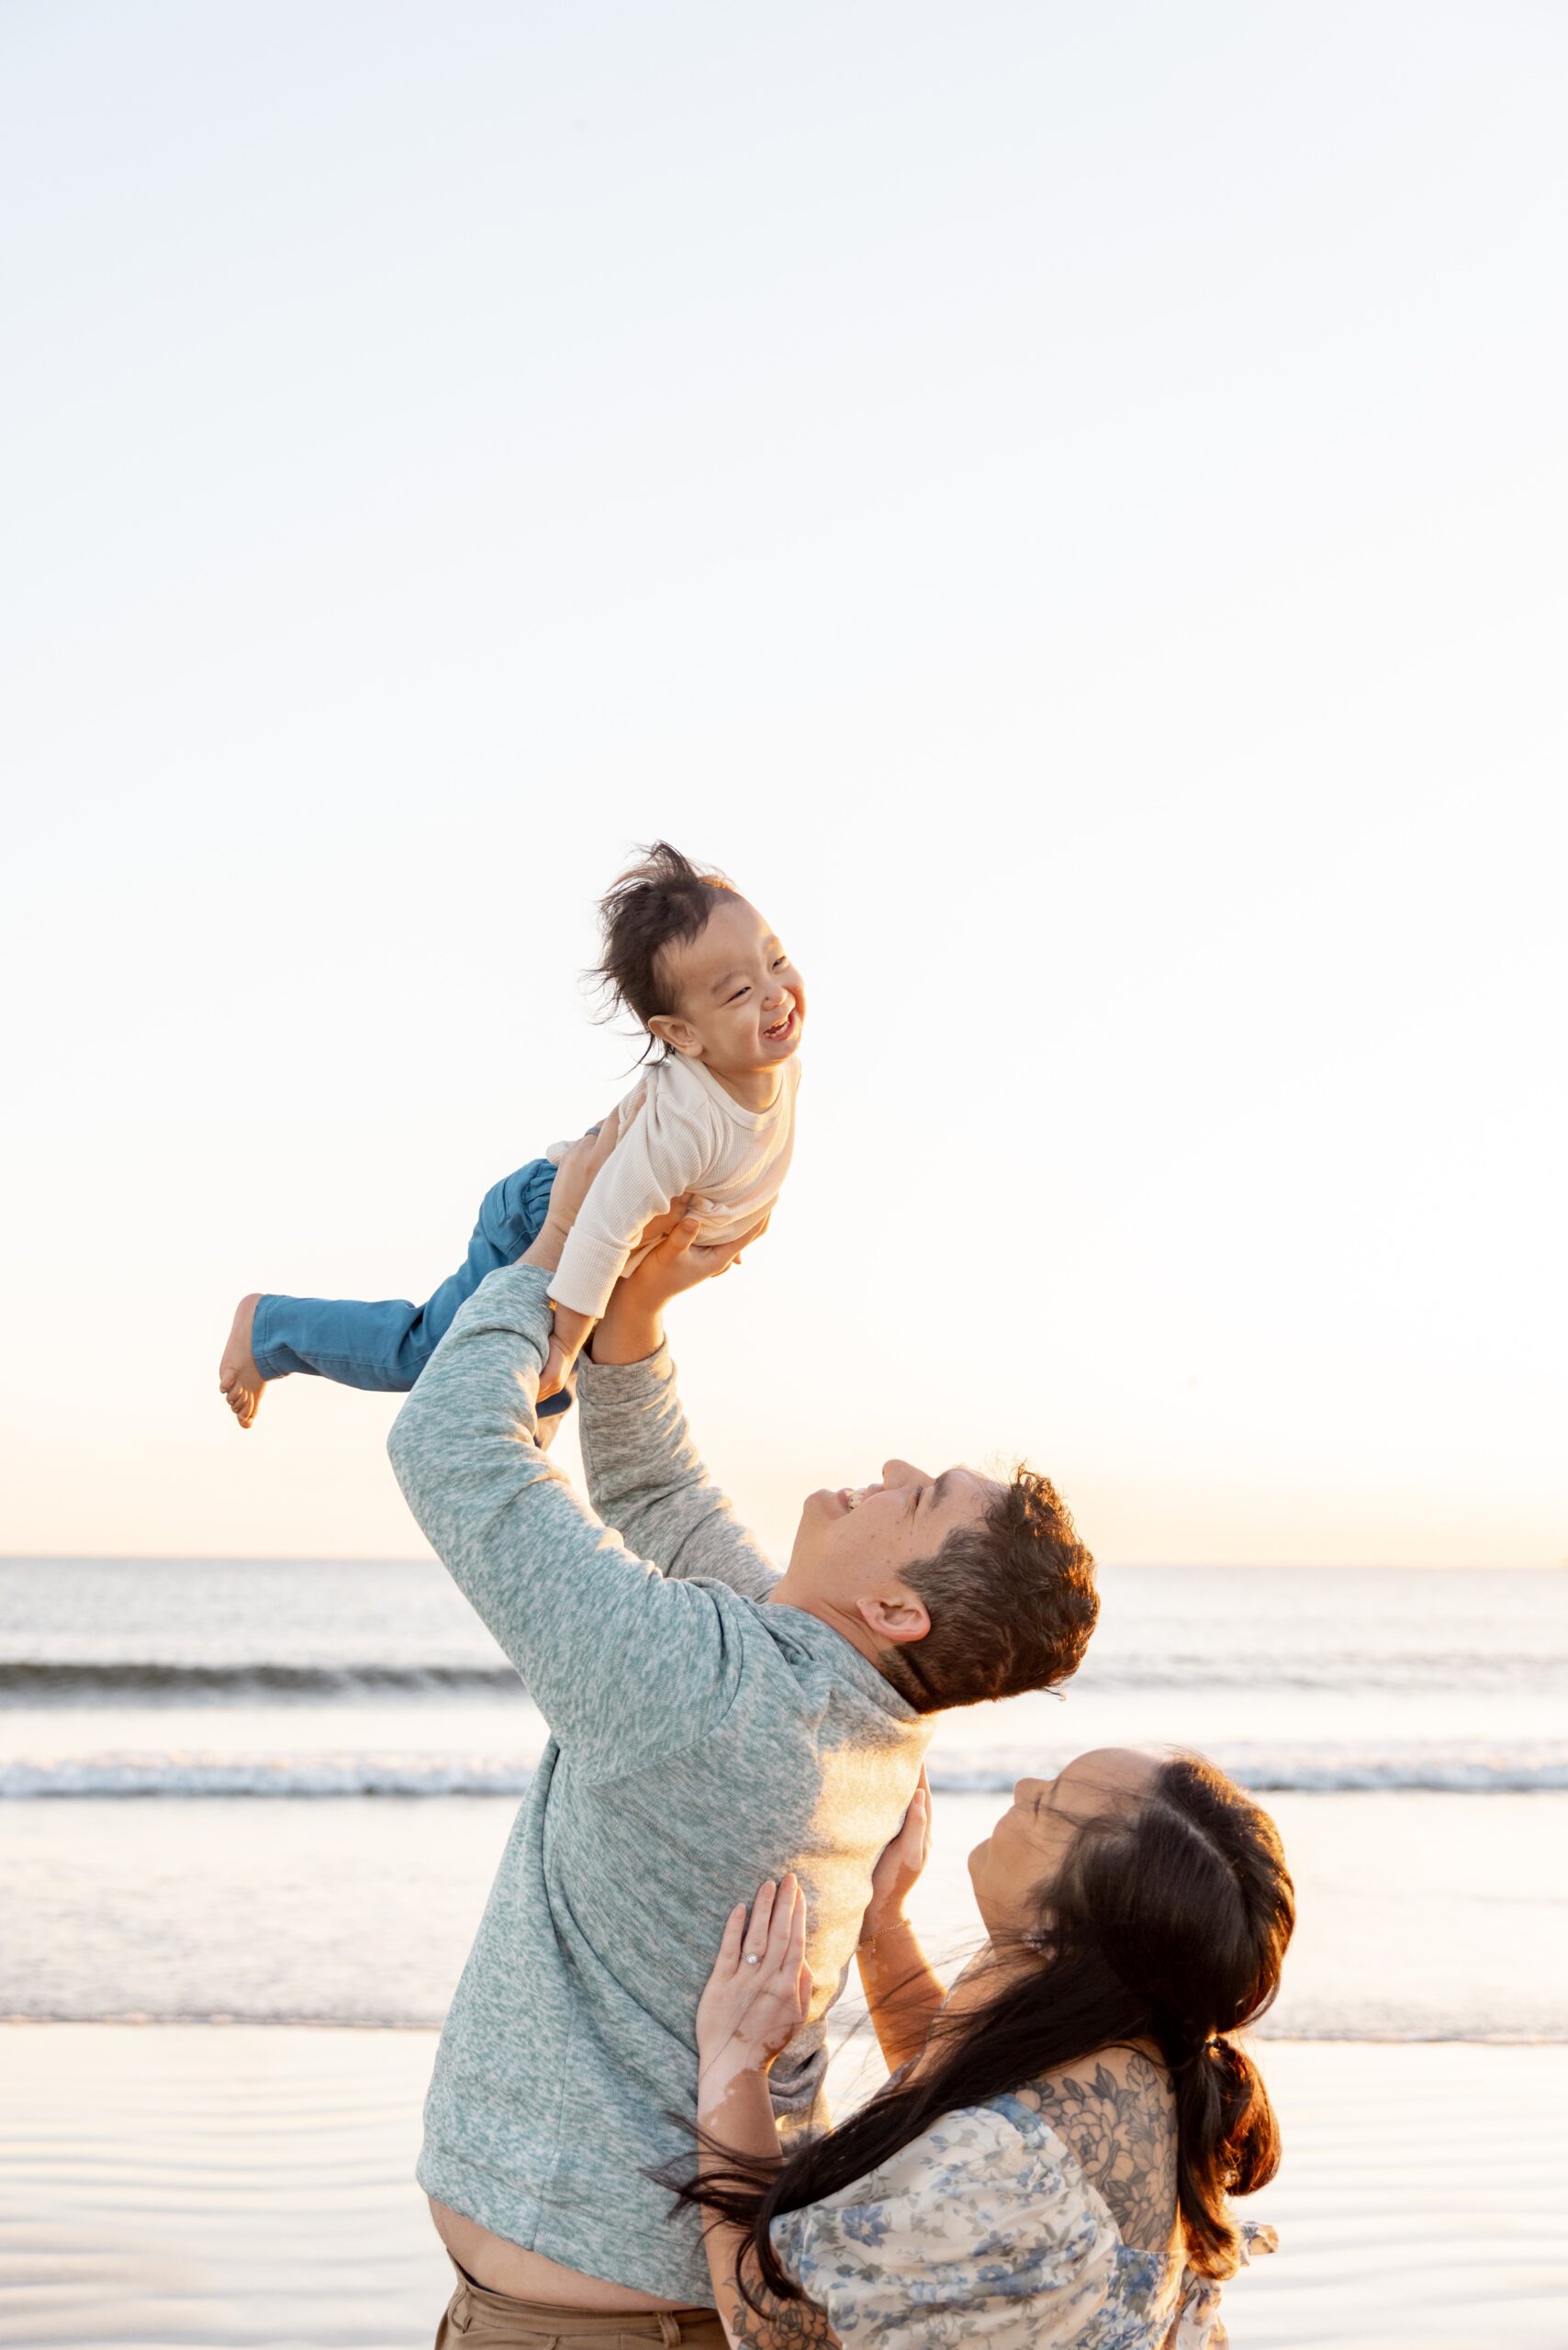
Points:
(201, 2188)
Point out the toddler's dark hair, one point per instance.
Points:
(662, 900)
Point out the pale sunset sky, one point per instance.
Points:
(1066, 506)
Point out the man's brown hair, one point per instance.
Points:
(1012, 1603)
(662, 900)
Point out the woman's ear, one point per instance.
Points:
(678, 1034)
(896, 1616)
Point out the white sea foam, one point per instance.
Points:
(1309, 1769)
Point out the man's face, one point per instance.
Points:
(741, 1003)
(854, 1541)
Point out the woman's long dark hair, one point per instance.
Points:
(1166, 1922)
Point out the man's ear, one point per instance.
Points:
(896, 1616)
(678, 1034)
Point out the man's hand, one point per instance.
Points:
(568, 1191)
(566, 1338)
(632, 1327)
(679, 1260)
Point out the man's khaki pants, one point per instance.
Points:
(477, 2315)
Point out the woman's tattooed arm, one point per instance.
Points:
(736, 2112)
(788, 2325)
(1120, 2121)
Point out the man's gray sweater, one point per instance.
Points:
(701, 1739)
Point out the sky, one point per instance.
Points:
(1065, 505)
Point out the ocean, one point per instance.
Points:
(276, 1791)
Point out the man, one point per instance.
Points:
(713, 1724)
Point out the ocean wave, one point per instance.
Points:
(38, 1678)
(157, 1681)
(1478, 1672)
(1307, 1770)
(264, 1775)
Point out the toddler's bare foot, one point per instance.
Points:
(237, 1375)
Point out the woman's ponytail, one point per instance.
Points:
(1227, 2143)
(1203, 1946)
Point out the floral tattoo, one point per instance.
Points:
(789, 2326)
(1124, 2132)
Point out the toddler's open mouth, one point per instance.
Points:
(781, 1028)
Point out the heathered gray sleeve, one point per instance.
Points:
(646, 1479)
(618, 1662)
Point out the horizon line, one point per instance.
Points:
(428, 1558)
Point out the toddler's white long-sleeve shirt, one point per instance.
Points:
(679, 1132)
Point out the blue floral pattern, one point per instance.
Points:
(986, 2232)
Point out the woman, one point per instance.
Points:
(1051, 2162)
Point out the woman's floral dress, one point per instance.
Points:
(985, 2233)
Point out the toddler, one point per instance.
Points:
(711, 1119)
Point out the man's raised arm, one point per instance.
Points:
(646, 1478)
(644, 1475)
(577, 1614)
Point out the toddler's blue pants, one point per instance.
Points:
(386, 1344)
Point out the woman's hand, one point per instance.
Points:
(903, 1992)
(899, 1865)
(760, 1988)
(755, 2001)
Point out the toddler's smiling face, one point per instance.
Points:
(742, 1004)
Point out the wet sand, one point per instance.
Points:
(195, 2188)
